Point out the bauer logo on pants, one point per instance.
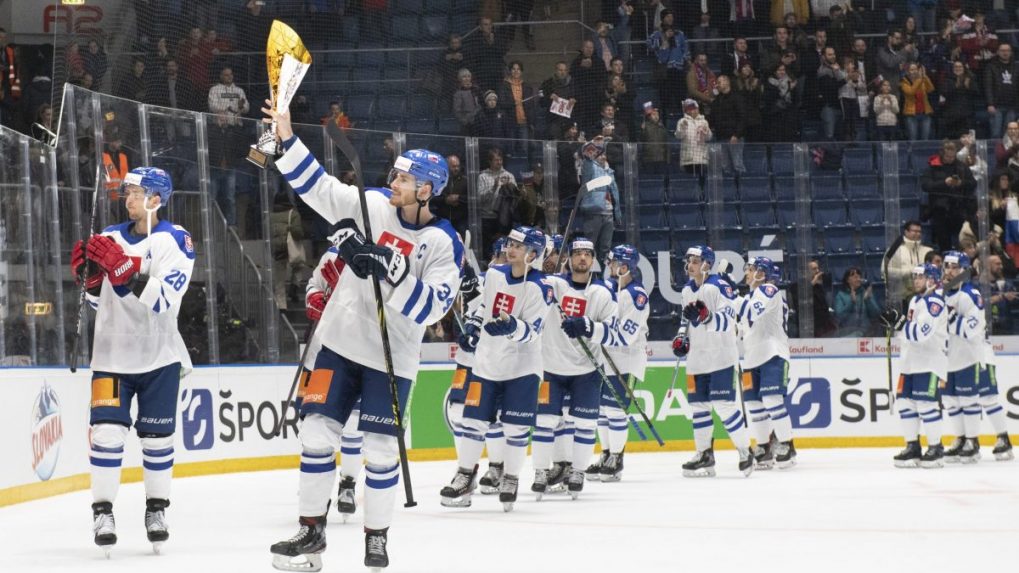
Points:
(196, 418)
(809, 403)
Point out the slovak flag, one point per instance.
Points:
(1012, 227)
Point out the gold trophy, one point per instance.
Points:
(286, 60)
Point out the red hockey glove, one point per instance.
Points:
(331, 272)
(112, 259)
(680, 346)
(315, 304)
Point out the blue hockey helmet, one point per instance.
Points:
(533, 239)
(705, 252)
(581, 244)
(763, 264)
(776, 273)
(928, 270)
(625, 254)
(498, 246)
(957, 258)
(557, 242)
(426, 167)
(153, 180)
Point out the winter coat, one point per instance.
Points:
(915, 100)
(829, 80)
(728, 117)
(466, 105)
(597, 201)
(654, 148)
(1001, 83)
(945, 197)
(959, 99)
(886, 110)
(694, 133)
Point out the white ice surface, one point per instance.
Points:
(838, 510)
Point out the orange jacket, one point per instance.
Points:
(12, 74)
(114, 172)
(913, 91)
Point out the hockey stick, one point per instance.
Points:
(633, 401)
(681, 332)
(340, 140)
(297, 376)
(73, 359)
(596, 183)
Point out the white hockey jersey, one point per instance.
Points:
(350, 325)
(463, 357)
(924, 336)
(527, 299)
(627, 340)
(562, 354)
(136, 334)
(317, 283)
(762, 322)
(967, 327)
(712, 344)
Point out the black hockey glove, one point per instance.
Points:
(470, 286)
(578, 326)
(349, 241)
(680, 346)
(697, 313)
(468, 339)
(890, 318)
(505, 325)
(366, 259)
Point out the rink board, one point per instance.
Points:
(227, 416)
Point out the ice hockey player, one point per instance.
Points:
(505, 334)
(990, 402)
(762, 319)
(627, 349)
(495, 438)
(317, 294)
(568, 368)
(138, 272)
(713, 362)
(922, 364)
(416, 258)
(967, 330)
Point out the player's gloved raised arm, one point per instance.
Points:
(322, 192)
(366, 259)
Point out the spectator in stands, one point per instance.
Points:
(284, 222)
(749, 89)
(781, 51)
(195, 60)
(253, 27)
(42, 126)
(734, 60)
(728, 124)
(95, 61)
(599, 207)
(830, 79)
(669, 47)
(608, 126)
(891, 60)
(605, 47)
(493, 121)
(701, 83)
(995, 248)
(978, 44)
(531, 209)
(743, 19)
(452, 62)
(970, 157)
(1001, 88)
(781, 112)
(155, 61)
(617, 67)
(133, 86)
(337, 116)
(589, 76)
(864, 61)
(812, 60)
(497, 194)
(227, 148)
(1004, 300)
(798, 37)
(559, 86)
(116, 162)
(923, 13)
(949, 186)
(820, 285)
(654, 150)
(905, 253)
(568, 152)
(517, 102)
(657, 10)
(855, 103)
(173, 90)
(214, 44)
(518, 11)
(705, 38)
(959, 95)
(484, 55)
(389, 153)
(74, 62)
(227, 97)
(1007, 151)
(452, 203)
(693, 132)
(617, 94)
(916, 106)
(886, 113)
(622, 31)
(842, 29)
(1001, 190)
(856, 307)
(467, 102)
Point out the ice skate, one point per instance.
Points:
(934, 457)
(909, 457)
(490, 481)
(508, 492)
(575, 483)
(557, 477)
(785, 455)
(746, 461)
(970, 453)
(155, 522)
(612, 469)
(302, 552)
(458, 492)
(593, 471)
(1003, 448)
(764, 456)
(952, 453)
(345, 503)
(375, 556)
(540, 484)
(104, 527)
(702, 464)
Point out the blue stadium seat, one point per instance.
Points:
(838, 264)
(839, 240)
(448, 126)
(909, 187)
(435, 27)
(642, 66)
(786, 212)
(351, 30)
(653, 241)
(873, 239)
(391, 107)
(728, 217)
(755, 159)
(368, 76)
(660, 306)
(651, 191)
(420, 106)
(755, 188)
(360, 107)
(391, 125)
(684, 191)
(651, 217)
(424, 125)
(830, 214)
(729, 240)
(865, 213)
(408, 6)
(858, 161)
(346, 59)
(685, 216)
(872, 269)
(782, 161)
(903, 158)
(862, 187)
(404, 28)
(826, 187)
(371, 59)
(785, 188)
(516, 166)
(920, 154)
(758, 215)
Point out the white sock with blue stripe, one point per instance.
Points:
(732, 418)
(495, 443)
(516, 448)
(603, 428)
(563, 445)
(618, 431)
(930, 415)
(472, 442)
(381, 476)
(953, 411)
(970, 415)
(779, 416)
(105, 459)
(543, 441)
(157, 466)
(994, 412)
(702, 425)
(456, 415)
(760, 423)
(320, 438)
(583, 442)
(909, 418)
(351, 458)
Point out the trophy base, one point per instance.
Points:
(258, 157)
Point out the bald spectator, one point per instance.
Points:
(1004, 299)
(452, 203)
(484, 53)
